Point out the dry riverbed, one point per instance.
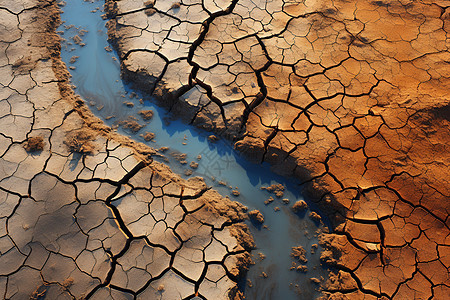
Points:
(350, 97)
(85, 212)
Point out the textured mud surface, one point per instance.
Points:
(84, 212)
(351, 97)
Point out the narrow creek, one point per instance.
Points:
(96, 75)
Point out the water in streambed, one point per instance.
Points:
(96, 75)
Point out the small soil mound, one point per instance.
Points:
(146, 114)
(268, 201)
(34, 144)
(299, 206)
(256, 216)
(299, 254)
(74, 59)
(213, 138)
(77, 40)
(176, 5)
(131, 124)
(302, 269)
(80, 141)
(150, 11)
(181, 157)
(277, 189)
(148, 136)
(315, 216)
(315, 280)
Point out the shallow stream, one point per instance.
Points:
(96, 75)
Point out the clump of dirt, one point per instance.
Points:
(256, 216)
(81, 141)
(242, 233)
(299, 206)
(315, 216)
(148, 136)
(149, 3)
(34, 144)
(181, 157)
(82, 32)
(268, 201)
(150, 11)
(302, 269)
(74, 59)
(315, 280)
(299, 254)
(146, 114)
(277, 189)
(176, 5)
(235, 193)
(213, 138)
(131, 124)
(77, 40)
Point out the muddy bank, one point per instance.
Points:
(351, 98)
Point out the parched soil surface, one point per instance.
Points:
(351, 97)
(84, 212)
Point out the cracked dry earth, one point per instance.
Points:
(351, 97)
(109, 224)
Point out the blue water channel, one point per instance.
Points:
(96, 76)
